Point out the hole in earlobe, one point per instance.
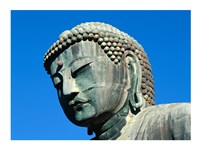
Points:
(134, 110)
(129, 66)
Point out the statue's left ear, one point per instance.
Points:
(134, 77)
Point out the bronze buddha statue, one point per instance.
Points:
(104, 82)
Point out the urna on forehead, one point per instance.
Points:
(113, 42)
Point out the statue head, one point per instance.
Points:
(97, 70)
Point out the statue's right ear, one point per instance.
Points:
(134, 79)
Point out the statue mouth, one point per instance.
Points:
(77, 104)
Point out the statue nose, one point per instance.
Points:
(70, 87)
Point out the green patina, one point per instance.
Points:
(104, 82)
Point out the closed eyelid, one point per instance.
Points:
(80, 63)
(57, 79)
(75, 70)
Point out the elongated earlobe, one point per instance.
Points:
(134, 76)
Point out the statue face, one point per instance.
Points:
(90, 87)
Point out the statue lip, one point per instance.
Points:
(77, 102)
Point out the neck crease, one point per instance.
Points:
(111, 129)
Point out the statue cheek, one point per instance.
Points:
(85, 81)
(96, 98)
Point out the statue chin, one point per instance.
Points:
(82, 116)
(88, 116)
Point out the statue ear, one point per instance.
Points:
(134, 78)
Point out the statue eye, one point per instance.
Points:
(80, 69)
(57, 80)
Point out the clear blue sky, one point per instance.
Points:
(35, 110)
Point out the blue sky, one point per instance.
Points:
(35, 111)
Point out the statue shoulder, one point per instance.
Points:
(163, 122)
(180, 121)
(174, 110)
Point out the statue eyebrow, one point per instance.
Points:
(80, 59)
(78, 62)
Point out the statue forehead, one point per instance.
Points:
(82, 51)
(112, 41)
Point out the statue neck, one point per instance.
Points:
(111, 129)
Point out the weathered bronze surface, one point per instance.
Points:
(104, 82)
